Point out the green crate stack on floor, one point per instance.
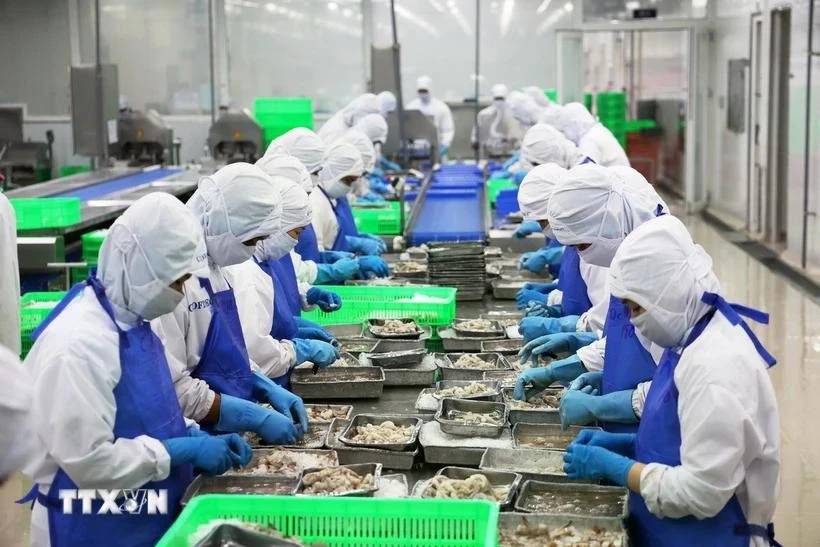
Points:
(34, 307)
(494, 186)
(91, 243)
(278, 115)
(380, 221)
(611, 111)
(588, 101)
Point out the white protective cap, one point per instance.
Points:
(304, 144)
(536, 189)
(387, 101)
(342, 160)
(600, 206)
(537, 95)
(543, 143)
(363, 145)
(574, 120)
(374, 126)
(424, 82)
(156, 241)
(234, 205)
(360, 107)
(523, 108)
(283, 165)
(296, 213)
(499, 91)
(659, 267)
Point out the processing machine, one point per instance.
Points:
(235, 136)
(143, 138)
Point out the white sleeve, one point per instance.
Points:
(639, 397)
(15, 404)
(590, 148)
(303, 289)
(592, 356)
(555, 297)
(76, 424)
(324, 221)
(446, 129)
(9, 278)
(306, 270)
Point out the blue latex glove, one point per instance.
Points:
(518, 176)
(582, 461)
(543, 288)
(536, 309)
(211, 454)
(442, 152)
(341, 270)
(553, 344)
(502, 175)
(286, 403)
(196, 432)
(373, 266)
(312, 331)
(536, 327)
(537, 261)
(379, 187)
(327, 301)
(526, 228)
(388, 165)
(377, 239)
(329, 257)
(512, 161)
(319, 353)
(542, 377)
(371, 197)
(579, 408)
(377, 172)
(237, 414)
(592, 379)
(526, 296)
(364, 246)
(620, 443)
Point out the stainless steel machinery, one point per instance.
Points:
(143, 138)
(235, 136)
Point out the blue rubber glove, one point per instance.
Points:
(502, 175)
(311, 331)
(377, 172)
(620, 443)
(363, 246)
(542, 377)
(377, 239)
(543, 288)
(327, 301)
(536, 262)
(319, 353)
(237, 414)
(525, 297)
(341, 270)
(442, 152)
(518, 176)
(536, 327)
(373, 266)
(582, 461)
(239, 446)
(371, 197)
(592, 379)
(526, 228)
(196, 432)
(512, 161)
(579, 408)
(388, 165)
(329, 257)
(553, 344)
(211, 454)
(536, 309)
(379, 187)
(286, 403)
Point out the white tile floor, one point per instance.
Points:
(793, 336)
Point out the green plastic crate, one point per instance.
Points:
(68, 170)
(38, 213)
(588, 101)
(278, 115)
(92, 241)
(384, 221)
(551, 94)
(360, 303)
(282, 105)
(80, 273)
(31, 316)
(370, 522)
(494, 186)
(633, 126)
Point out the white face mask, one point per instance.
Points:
(338, 189)
(601, 252)
(667, 329)
(424, 97)
(499, 103)
(276, 246)
(548, 232)
(160, 304)
(226, 250)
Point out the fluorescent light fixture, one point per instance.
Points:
(633, 5)
(332, 6)
(506, 15)
(271, 7)
(542, 7)
(436, 5)
(568, 7)
(347, 12)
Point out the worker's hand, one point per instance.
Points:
(390, 165)
(536, 262)
(239, 447)
(373, 266)
(371, 197)
(620, 443)
(310, 330)
(377, 172)
(211, 454)
(510, 162)
(377, 239)
(582, 461)
(543, 288)
(526, 228)
(329, 257)
(237, 414)
(442, 152)
(327, 301)
(582, 408)
(364, 246)
(536, 327)
(196, 432)
(531, 382)
(319, 353)
(379, 187)
(286, 403)
(553, 344)
(588, 379)
(525, 297)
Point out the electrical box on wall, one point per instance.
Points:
(736, 96)
(92, 135)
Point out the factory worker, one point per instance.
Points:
(387, 103)
(368, 153)
(438, 111)
(548, 108)
(216, 373)
(703, 466)
(524, 109)
(544, 144)
(347, 117)
(106, 414)
(376, 128)
(594, 209)
(593, 139)
(9, 278)
(497, 130)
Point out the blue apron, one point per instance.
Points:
(224, 364)
(284, 327)
(344, 217)
(659, 441)
(146, 405)
(555, 269)
(308, 245)
(574, 300)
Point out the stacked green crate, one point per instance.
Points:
(382, 221)
(278, 115)
(91, 243)
(551, 94)
(34, 307)
(611, 110)
(588, 101)
(494, 186)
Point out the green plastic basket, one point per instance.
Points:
(551, 94)
(34, 307)
(364, 522)
(38, 213)
(278, 115)
(379, 221)
(634, 126)
(80, 273)
(494, 186)
(362, 303)
(68, 170)
(92, 241)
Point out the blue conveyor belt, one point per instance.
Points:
(450, 215)
(96, 191)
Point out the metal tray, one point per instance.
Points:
(364, 419)
(347, 409)
(506, 289)
(276, 485)
(426, 402)
(488, 396)
(397, 359)
(259, 453)
(403, 461)
(396, 478)
(455, 427)
(532, 463)
(495, 330)
(234, 534)
(557, 438)
(357, 346)
(314, 438)
(590, 496)
(443, 449)
(394, 267)
(347, 330)
(513, 521)
(374, 469)
(512, 272)
(505, 378)
(492, 252)
(423, 374)
(532, 416)
(497, 479)
(453, 343)
(386, 346)
(402, 336)
(338, 383)
(450, 372)
(504, 347)
(349, 359)
(504, 317)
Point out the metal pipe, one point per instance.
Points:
(807, 147)
(101, 126)
(397, 78)
(211, 59)
(477, 75)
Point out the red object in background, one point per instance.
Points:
(644, 152)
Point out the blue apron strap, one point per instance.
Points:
(70, 295)
(766, 532)
(733, 313)
(31, 496)
(205, 283)
(659, 212)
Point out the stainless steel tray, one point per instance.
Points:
(506, 289)
(450, 372)
(426, 402)
(277, 485)
(574, 499)
(532, 415)
(397, 359)
(308, 457)
(337, 411)
(396, 267)
(393, 486)
(505, 377)
(364, 419)
(542, 465)
(402, 461)
(374, 469)
(357, 346)
(453, 343)
(512, 272)
(398, 336)
(422, 374)
(347, 330)
(487, 396)
(551, 436)
(456, 427)
(495, 329)
(504, 347)
(497, 479)
(510, 522)
(338, 383)
(348, 359)
(504, 318)
(313, 438)
(386, 346)
(445, 449)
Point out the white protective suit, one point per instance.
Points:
(498, 130)
(543, 143)
(436, 109)
(75, 363)
(368, 154)
(374, 126)
(347, 117)
(524, 109)
(304, 145)
(387, 102)
(236, 204)
(592, 138)
(549, 110)
(726, 404)
(342, 160)
(15, 406)
(600, 206)
(9, 278)
(536, 189)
